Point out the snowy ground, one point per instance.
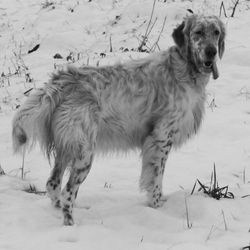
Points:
(110, 211)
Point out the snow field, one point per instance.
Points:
(110, 212)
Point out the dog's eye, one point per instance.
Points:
(216, 32)
(199, 32)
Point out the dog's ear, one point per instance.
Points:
(221, 44)
(181, 33)
(178, 35)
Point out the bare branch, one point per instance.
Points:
(159, 36)
(234, 8)
(147, 32)
(151, 16)
(222, 7)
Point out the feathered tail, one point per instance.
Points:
(32, 123)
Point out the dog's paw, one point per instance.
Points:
(57, 204)
(158, 202)
(68, 220)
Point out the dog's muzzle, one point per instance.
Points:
(209, 64)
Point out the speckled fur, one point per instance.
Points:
(152, 104)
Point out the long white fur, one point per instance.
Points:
(141, 104)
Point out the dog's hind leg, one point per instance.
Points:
(78, 174)
(54, 182)
(74, 127)
(154, 155)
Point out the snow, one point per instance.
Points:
(110, 211)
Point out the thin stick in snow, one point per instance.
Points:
(224, 219)
(159, 36)
(145, 37)
(222, 7)
(1, 171)
(22, 167)
(234, 8)
(110, 44)
(210, 233)
(244, 176)
(189, 225)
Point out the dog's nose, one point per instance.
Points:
(210, 51)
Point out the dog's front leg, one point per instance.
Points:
(154, 155)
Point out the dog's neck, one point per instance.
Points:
(186, 63)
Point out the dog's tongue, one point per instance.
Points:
(215, 71)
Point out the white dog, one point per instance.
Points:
(152, 104)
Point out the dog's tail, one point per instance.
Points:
(32, 123)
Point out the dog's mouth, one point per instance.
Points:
(211, 66)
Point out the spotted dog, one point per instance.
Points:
(152, 104)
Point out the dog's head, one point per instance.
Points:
(201, 39)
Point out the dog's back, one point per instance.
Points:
(118, 105)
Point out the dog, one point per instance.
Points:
(152, 104)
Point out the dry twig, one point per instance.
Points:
(222, 7)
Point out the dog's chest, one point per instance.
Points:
(188, 114)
